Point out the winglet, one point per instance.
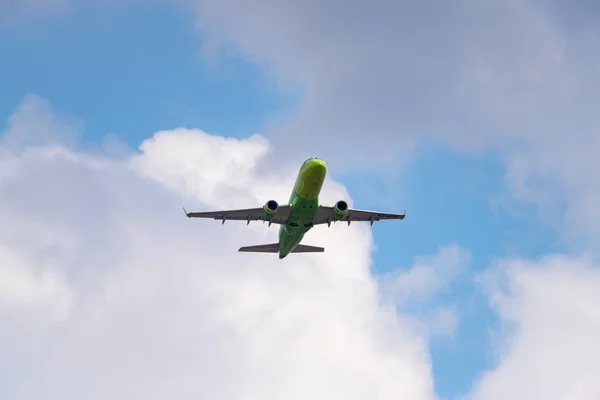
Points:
(404, 215)
(186, 213)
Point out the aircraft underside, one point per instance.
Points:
(299, 215)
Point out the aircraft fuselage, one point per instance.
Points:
(305, 202)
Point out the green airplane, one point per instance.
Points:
(302, 212)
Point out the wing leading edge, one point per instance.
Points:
(326, 215)
(248, 214)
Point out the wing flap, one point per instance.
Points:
(248, 214)
(325, 215)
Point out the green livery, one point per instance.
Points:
(300, 215)
(305, 202)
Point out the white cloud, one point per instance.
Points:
(427, 276)
(400, 69)
(414, 290)
(109, 291)
(550, 312)
(518, 76)
(560, 178)
(34, 123)
(443, 321)
(21, 287)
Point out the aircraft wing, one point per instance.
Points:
(249, 214)
(325, 215)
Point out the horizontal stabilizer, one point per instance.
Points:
(274, 248)
(302, 248)
(261, 248)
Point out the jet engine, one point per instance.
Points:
(340, 209)
(271, 207)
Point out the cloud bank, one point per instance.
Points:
(109, 291)
(551, 319)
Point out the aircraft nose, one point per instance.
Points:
(317, 168)
(310, 179)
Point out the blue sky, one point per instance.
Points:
(133, 72)
(132, 78)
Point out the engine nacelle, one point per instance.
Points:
(340, 209)
(271, 207)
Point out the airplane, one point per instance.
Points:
(300, 215)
